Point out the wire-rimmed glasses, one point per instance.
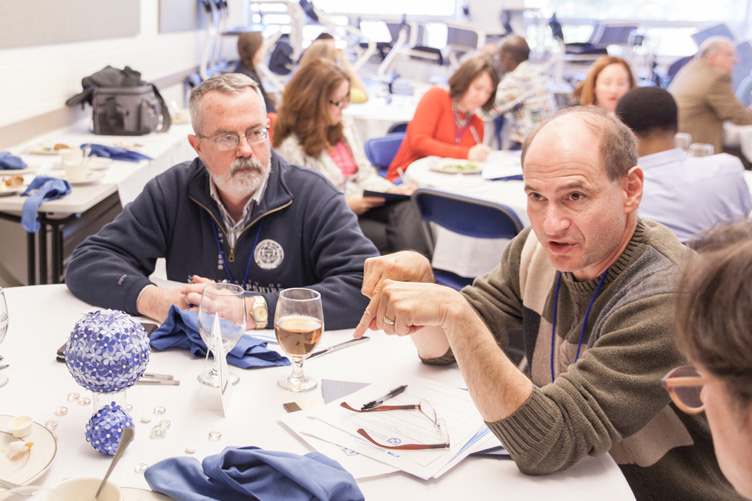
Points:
(231, 141)
(424, 407)
(684, 385)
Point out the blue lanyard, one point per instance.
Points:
(584, 322)
(250, 258)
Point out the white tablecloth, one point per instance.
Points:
(374, 117)
(467, 256)
(738, 136)
(38, 385)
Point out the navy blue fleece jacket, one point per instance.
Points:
(306, 237)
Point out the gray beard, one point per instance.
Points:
(244, 177)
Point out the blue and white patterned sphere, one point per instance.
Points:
(104, 429)
(107, 351)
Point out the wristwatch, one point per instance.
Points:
(259, 311)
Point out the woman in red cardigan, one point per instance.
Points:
(444, 124)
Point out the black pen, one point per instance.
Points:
(374, 403)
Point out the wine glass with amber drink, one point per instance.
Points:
(299, 325)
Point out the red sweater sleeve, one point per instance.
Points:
(432, 133)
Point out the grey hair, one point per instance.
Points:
(617, 144)
(229, 83)
(711, 46)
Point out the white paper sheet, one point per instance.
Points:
(452, 405)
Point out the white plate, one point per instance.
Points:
(94, 163)
(35, 462)
(41, 149)
(10, 192)
(18, 172)
(456, 167)
(134, 494)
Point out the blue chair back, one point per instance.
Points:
(467, 216)
(381, 150)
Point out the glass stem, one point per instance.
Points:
(297, 368)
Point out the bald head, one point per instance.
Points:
(513, 51)
(617, 144)
(718, 52)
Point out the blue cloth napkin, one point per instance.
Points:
(41, 189)
(180, 330)
(250, 473)
(10, 162)
(121, 154)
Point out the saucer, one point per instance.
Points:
(91, 178)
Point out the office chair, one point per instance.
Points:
(467, 216)
(381, 150)
(474, 218)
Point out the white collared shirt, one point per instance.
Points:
(689, 195)
(235, 228)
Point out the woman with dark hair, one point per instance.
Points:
(608, 79)
(252, 51)
(445, 124)
(312, 131)
(713, 320)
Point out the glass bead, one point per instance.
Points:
(72, 397)
(190, 450)
(215, 435)
(165, 423)
(146, 419)
(128, 408)
(84, 401)
(61, 411)
(141, 467)
(159, 410)
(158, 432)
(51, 424)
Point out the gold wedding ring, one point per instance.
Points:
(387, 321)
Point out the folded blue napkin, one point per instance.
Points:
(10, 162)
(250, 473)
(180, 330)
(115, 153)
(41, 189)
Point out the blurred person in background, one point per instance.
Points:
(252, 51)
(324, 48)
(607, 80)
(312, 131)
(522, 92)
(703, 92)
(445, 123)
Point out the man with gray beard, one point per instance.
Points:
(238, 213)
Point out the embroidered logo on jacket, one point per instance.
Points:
(269, 254)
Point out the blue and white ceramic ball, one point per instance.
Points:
(107, 351)
(104, 429)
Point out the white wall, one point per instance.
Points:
(37, 80)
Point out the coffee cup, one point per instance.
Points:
(76, 489)
(71, 156)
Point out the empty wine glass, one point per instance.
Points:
(3, 328)
(299, 325)
(222, 305)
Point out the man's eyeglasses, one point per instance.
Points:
(684, 385)
(425, 408)
(231, 141)
(339, 104)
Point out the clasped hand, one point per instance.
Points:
(404, 297)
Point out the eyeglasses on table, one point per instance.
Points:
(424, 408)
